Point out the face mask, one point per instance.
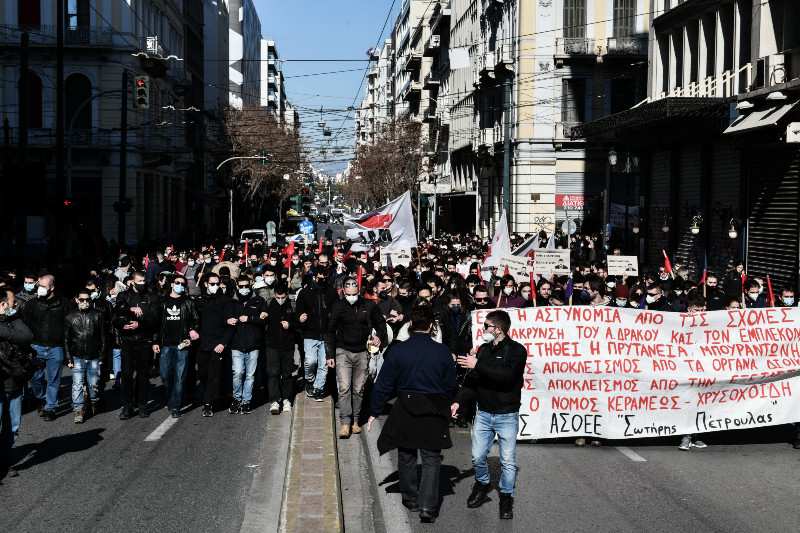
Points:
(322, 282)
(665, 277)
(372, 254)
(191, 263)
(508, 290)
(433, 258)
(753, 296)
(10, 312)
(207, 261)
(259, 278)
(42, 292)
(352, 299)
(111, 297)
(140, 287)
(295, 263)
(651, 299)
(244, 292)
(273, 262)
(678, 292)
(269, 280)
(788, 302)
(585, 296)
(94, 295)
(611, 284)
(83, 306)
(488, 337)
(455, 309)
(212, 289)
(280, 301)
(621, 303)
(178, 289)
(385, 294)
(29, 287)
(526, 295)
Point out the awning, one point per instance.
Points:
(761, 118)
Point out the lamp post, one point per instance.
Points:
(612, 160)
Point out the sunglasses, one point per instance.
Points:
(481, 300)
(244, 286)
(213, 284)
(487, 326)
(84, 299)
(351, 284)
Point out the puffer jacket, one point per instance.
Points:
(45, 317)
(85, 335)
(149, 321)
(349, 326)
(190, 318)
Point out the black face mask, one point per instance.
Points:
(403, 299)
(141, 288)
(322, 282)
(385, 294)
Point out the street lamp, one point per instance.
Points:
(696, 221)
(732, 233)
(665, 226)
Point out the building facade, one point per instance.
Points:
(244, 43)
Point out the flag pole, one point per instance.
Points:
(671, 270)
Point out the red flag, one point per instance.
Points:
(335, 253)
(346, 255)
(146, 260)
(704, 278)
(667, 264)
(171, 248)
(319, 250)
(506, 271)
(269, 255)
(244, 259)
(222, 255)
(289, 250)
(360, 271)
(770, 296)
(744, 278)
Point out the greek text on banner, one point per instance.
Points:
(624, 373)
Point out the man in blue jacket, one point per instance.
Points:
(422, 372)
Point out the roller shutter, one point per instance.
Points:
(590, 186)
(725, 174)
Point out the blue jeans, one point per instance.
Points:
(10, 415)
(315, 365)
(117, 362)
(485, 427)
(173, 374)
(84, 370)
(53, 357)
(244, 372)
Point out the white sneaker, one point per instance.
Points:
(287, 405)
(274, 408)
(686, 443)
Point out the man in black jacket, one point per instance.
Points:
(13, 334)
(314, 303)
(137, 314)
(353, 321)
(422, 372)
(457, 335)
(217, 321)
(45, 317)
(85, 344)
(496, 378)
(247, 342)
(280, 350)
(178, 328)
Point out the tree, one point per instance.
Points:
(388, 167)
(255, 131)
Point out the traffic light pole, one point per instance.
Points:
(123, 167)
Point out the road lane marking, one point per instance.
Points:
(161, 430)
(630, 454)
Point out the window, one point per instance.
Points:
(573, 101)
(574, 19)
(77, 14)
(78, 90)
(623, 94)
(624, 18)
(30, 13)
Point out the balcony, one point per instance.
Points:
(412, 60)
(77, 138)
(504, 57)
(570, 47)
(152, 46)
(431, 81)
(429, 115)
(433, 45)
(563, 130)
(488, 137)
(83, 36)
(411, 91)
(626, 46)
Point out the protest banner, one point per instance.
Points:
(390, 226)
(400, 256)
(623, 265)
(623, 373)
(517, 267)
(547, 262)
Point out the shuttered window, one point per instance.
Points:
(575, 19)
(573, 101)
(624, 18)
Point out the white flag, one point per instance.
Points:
(526, 249)
(501, 245)
(391, 227)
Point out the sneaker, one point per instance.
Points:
(79, 415)
(176, 413)
(245, 410)
(356, 429)
(310, 390)
(143, 412)
(461, 422)
(427, 516)
(319, 395)
(274, 408)
(796, 444)
(287, 406)
(596, 443)
(344, 433)
(236, 406)
(49, 415)
(686, 443)
(207, 410)
(699, 444)
(580, 441)
(126, 412)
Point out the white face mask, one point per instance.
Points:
(94, 295)
(678, 292)
(752, 296)
(269, 281)
(611, 284)
(508, 290)
(351, 299)
(488, 337)
(42, 292)
(213, 289)
(525, 295)
(651, 299)
(621, 303)
(280, 301)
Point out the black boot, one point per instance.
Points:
(126, 412)
(480, 492)
(506, 505)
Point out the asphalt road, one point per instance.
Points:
(743, 482)
(338, 230)
(103, 476)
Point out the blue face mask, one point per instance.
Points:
(455, 309)
(585, 296)
(11, 312)
(244, 292)
(207, 261)
(259, 278)
(788, 302)
(178, 289)
(29, 287)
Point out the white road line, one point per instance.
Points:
(160, 430)
(630, 454)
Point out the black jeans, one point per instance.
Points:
(209, 370)
(279, 372)
(136, 356)
(428, 493)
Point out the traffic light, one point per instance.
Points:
(295, 202)
(305, 200)
(142, 92)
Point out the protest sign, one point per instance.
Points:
(623, 373)
(623, 265)
(618, 216)
(401, 256)
(517, 267)
(546, 262)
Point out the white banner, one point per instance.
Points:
(391, 227)
(623, 373)
(547, 262)
(623, 265)
(517, 267)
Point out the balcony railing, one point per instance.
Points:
(46, 137)
(412, 60)
(564, 129)
(575, 46)
(153, 46)
(630, 46)
(432, 46)
(430, 114)
(46, 35)
(431, 81)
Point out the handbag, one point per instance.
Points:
(19, 366)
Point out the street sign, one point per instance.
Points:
(301, 237)
(271, 233)
(569, 227)
(306, 227)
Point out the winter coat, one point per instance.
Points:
(279, 338)
(497, 378)
(45, 317)
(150, 304)
(13, 331)
(249, 335)
(214, 311)
(315, 302)
(85, 335)
(349, 326)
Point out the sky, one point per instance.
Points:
(326, 29)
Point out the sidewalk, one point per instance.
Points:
(312, 493)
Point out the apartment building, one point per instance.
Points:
(244, 54)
